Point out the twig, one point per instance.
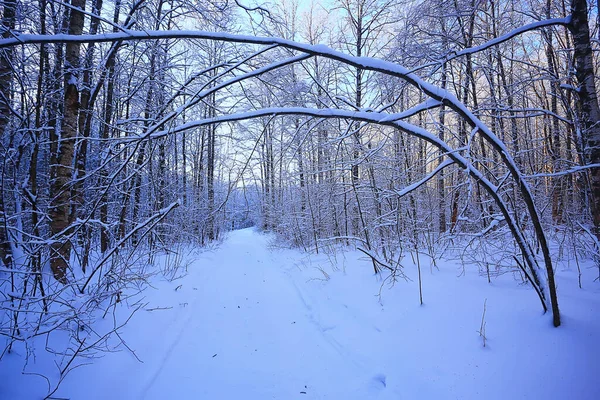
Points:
(158, 308)
(483, 323)
(375, 259)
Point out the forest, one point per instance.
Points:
(421, 130)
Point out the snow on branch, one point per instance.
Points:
(575, 170)
(501, 39)
(426, 179)
(366, 63)
(150, 222)
(453, 155)
(205, 93)
(424, 106)
(436, 93)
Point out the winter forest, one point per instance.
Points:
(377, 171)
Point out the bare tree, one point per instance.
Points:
(589, 118)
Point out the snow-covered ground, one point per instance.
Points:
(251, 321)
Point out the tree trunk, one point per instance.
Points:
(441, 189)
(554, 136)
(85, 119)
(588, 101)
(210, 174)
(61, 173)
(6, 77)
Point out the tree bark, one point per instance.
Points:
(588, 101)
(6, 77)
(61, 172)
(85, 111)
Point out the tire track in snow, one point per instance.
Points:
(324, 330)
(374, 380)
(182, 327)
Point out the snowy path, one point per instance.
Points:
(248, 333)
(250, 322)
(242, 329)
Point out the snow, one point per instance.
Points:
(254, 321)
(372, 64)
(423, 181)
(509, 35)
